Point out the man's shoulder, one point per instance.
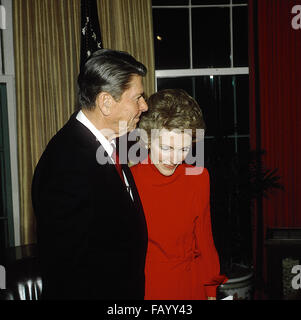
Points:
(64, 132)
(72, 134)
(70, 145)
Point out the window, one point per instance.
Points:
(6, 222)
(201, 46)
(9, 185)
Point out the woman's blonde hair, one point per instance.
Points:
(172, 109)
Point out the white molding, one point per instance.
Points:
(8, 39)
(200, 72)
(9, 79)
(231, 36)
(190, 39)
(187, 6)
(13, 147)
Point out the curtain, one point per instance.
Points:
(47, 53)
(47, 57)
(275, 116)
(127, 25)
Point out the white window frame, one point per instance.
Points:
(193, 72)
(190, 7)
(7, 61)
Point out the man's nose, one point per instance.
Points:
(143, 105)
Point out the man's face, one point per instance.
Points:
(126, 112)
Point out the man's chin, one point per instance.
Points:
(132, 127)
(125, 131)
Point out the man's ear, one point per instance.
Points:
(104, 102)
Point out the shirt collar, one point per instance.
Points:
(81, 117)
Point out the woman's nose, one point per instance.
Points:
(176, 157)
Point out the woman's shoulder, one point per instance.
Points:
(136, 168)
(196, 175)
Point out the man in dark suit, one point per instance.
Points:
(91, 230)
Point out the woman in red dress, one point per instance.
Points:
(182, 262)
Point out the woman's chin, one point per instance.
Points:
(166, 170)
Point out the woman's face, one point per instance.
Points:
(169, 149)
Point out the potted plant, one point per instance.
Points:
(236, 181)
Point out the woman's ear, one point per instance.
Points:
(104, 102)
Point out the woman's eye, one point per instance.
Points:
(186, 149)
(165, 148)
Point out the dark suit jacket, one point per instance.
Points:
(92, 237)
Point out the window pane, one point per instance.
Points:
(1, 119)
(3, 237)
(169, 2)
(5, 179)
(211, 49)
(226, 104)
(3, 221)
(208, 149)
(184, 83)
(216, 149)
(206, 96)
(210, 2)
(240, 36)
(171, 38)
(215, 97)
(243, 149)
(2, 184)
(242, 103)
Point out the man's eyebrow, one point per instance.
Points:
(138, 96)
